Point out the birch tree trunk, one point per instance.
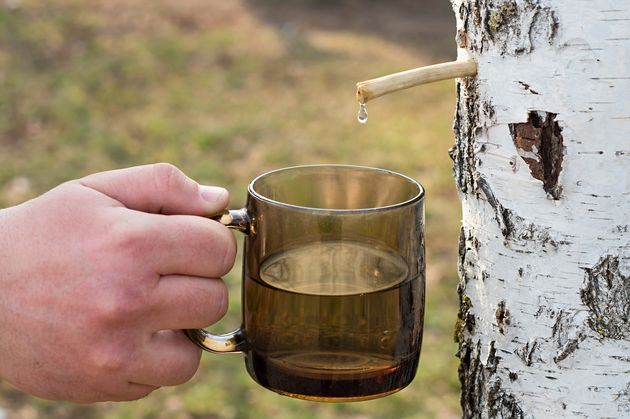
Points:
(542, 163)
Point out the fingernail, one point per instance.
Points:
(212, 193)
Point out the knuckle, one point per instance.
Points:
(129, 239)
(209, 304)
(229, 251)
(166, 176)
(206, 302)
(217, 304)
(108, 360)
(122, 303)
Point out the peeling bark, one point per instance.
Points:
(541, 163)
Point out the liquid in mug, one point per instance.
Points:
(334, 321)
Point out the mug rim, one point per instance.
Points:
(417, 197)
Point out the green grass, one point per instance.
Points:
(225, 96)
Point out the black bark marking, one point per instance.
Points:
(462, 253)
(483, 392)
(502, 316)
(502, 404)
(472, 377)
(466, 127)
(526, 353)
(465, 324)
(559, 324)
(503, 216)
(512, 27)
(623, 399)
(539, 143)
(492, 362)
(566, 350)
(606, 293)
(528, 88)
(489, 112)
(514, 228)
(523, 234)
(468, 256)
(566, 335)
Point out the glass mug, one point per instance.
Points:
(333, 282)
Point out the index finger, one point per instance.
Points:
(195, 246)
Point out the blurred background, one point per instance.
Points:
(227, 90)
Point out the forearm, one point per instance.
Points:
(8, 218)
(7, 264)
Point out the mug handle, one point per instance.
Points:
(233, 341)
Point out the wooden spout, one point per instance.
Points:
(371, 89)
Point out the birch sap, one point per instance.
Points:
(330, 321)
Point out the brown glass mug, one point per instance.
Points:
(333, 282)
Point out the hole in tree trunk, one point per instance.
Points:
(539, 143)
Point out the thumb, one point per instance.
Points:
(159, 188)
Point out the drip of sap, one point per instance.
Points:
(363, 115)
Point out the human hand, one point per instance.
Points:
(99, 275)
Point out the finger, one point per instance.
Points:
(127, 392)
(158, 188)
(183, 302)
(118, 391)
(169, 358)
(181, 244)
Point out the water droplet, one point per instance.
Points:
(363, 115)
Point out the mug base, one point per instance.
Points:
(355, 379)
(337, 399)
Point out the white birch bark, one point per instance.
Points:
(542, 163)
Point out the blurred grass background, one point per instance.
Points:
(226, 91)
